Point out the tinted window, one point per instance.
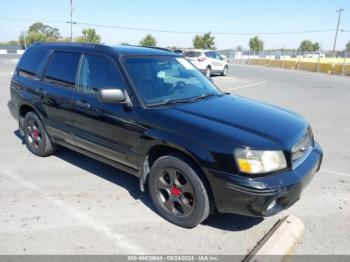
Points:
(98, 72)
(32, 59)
(192, 54)
(62, 68)
(161, 80)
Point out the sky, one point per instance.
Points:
(254, 16)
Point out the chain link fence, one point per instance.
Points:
(326, 62)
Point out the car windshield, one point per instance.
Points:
(162, 80)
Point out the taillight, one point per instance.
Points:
(201, 59)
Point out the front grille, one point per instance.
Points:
(302, 149)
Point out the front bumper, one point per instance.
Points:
(265, 195)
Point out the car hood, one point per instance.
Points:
(280, 126)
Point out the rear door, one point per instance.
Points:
(56, 88)
(106, 129)
(25, 78)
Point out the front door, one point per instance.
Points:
(218, 61)
(106, 129)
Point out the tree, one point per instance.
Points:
(11, 42)
(48, 31)
(39, 32)
(348, 47)
(308, 46)
(31, 38)
(206, 41)
(256, 44)
(89, 35)
(148, 40)
(316, 46)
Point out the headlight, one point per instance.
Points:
(259, 161)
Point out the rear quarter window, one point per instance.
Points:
(32, 59)
(62, 68)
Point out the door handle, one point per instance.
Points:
(82, 104)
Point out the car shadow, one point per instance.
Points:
(230, 222)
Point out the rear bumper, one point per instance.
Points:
(13, 110)
(266, 195)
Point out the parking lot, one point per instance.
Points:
(72, 204)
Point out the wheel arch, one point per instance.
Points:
(159, 150)
(22, 111)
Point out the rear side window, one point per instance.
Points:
(192, 54)
(98, 72)
(62, 68)
(31, 60)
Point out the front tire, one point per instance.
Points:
(177, 191)
(225, 71)
(37, 140)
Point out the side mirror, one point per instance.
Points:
(114, 95)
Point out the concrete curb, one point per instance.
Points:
(279, 241)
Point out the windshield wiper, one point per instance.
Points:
(170, 101)
(204, 95)
(179, 101)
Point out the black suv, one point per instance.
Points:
(149, 112)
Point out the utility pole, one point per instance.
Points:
(25, 40)
(71, 20)
(339, 11)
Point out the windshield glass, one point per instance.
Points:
(161, 80)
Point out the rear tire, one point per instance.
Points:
(208, 72)
(177, 191)
(37, 140)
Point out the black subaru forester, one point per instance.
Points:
(149, 112)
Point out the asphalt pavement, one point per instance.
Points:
(71, 204)
(324, 101)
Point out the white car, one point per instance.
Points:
(207, 61)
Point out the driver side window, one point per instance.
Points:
(97, 72)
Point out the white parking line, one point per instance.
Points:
(118, 238)
(227, 78)
(6, 73)
(335, 172)
(247, 85)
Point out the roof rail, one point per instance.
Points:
(68, 43)
(153, 47)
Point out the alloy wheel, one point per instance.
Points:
(34, 135)
(175, 192)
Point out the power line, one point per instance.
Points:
(175, 31)
(198, 32)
